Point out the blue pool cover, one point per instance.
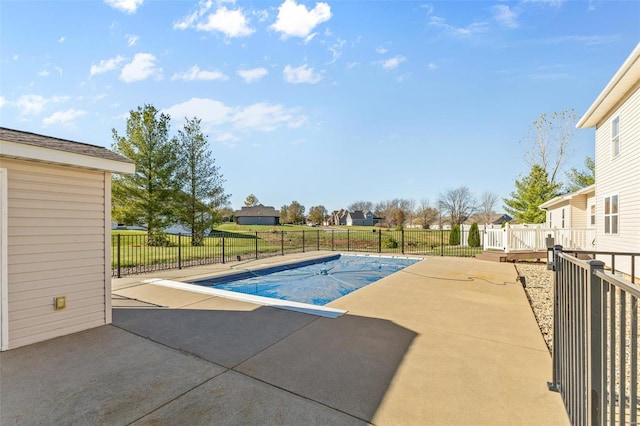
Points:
(317, 281)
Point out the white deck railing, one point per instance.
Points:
(533, 238)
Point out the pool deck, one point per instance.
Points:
(447, 341)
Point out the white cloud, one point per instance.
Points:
(43, 73)
(505, 15)
(254, 74)
(469, 30)
(301, 74)
(226, 121)
(393, 63)
(210, 111)
(382, 50)
(195, 73)
(336, 50)
(140, 68)
(264, 117)
(433, 66)
(106, 65)
(35, 104)
(15, 57)
(189, 21)
(66, 118)
(127, 6)
(131, 39)
(59, 69)
(295, 20)
(231, 23)
(3, 101)
(61, 39)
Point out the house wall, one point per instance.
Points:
(578, 212)
(257, 220)
(620, 176)
(56, 247)
(554, 215)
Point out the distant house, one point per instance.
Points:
(55, 236)
(615, 114)
(575, 210)
(257, 215)
(338, 217)
(493, 219)
(359, 218)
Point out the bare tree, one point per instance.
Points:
(427, 214)
(458, 204)
(364, 206)
(488, 201)
(389, 211)
(549, 139)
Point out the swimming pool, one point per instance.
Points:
(316, 281)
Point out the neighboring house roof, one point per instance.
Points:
(495, 219)
(357, 215)
(622, 82)
(32, 146)
(567, 197)
(259, 210)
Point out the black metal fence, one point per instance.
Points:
(595, 336)
(131, 254)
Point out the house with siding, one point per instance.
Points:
(359, 218)
(55, 236)
(257, 215)
(575, 210)
(615, 115)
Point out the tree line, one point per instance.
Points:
(176, 178)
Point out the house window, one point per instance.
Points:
(615, 137)
(593, 215)
(562, 219)
(611, 215)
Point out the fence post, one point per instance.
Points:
(222, 248)
(380, 240)
(402, 231)
(256, 244)
(303, 240)
(318, 239)
(282, 242)
(118, 251)
(332, 248)
(596, 367)
(441, 241)
(180, 249)
(557, 282)
(348, 241)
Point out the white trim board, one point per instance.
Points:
(4, 265)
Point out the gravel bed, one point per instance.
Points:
(539, 290)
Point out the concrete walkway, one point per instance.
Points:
(445, 341)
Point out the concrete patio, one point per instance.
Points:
(445, 341)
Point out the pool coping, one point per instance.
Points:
(305, 308)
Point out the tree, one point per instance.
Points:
(549, 138)
(200, 181)
(251, 201)
(426, 213)
(579, 179)
(454, 235)
(531, 191)
(284, 214)
(364, 206)
(399, 218)
(296, 213)
(474, 235)
(317, 214)
(388, 210)
(488, 201)
(148, 196)
(458, 204)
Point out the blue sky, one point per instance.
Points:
(320, 102)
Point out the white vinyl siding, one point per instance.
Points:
(620, 177)
(56, 247)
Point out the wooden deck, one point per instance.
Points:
(500, 256)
